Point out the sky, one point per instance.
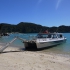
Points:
(44, 12)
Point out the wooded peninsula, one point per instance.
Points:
(26, 27)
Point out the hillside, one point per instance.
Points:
(26, 27)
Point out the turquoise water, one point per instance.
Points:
(17, 43)
(63, 48)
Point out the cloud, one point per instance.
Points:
(58, 3)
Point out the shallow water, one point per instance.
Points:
(60, 49)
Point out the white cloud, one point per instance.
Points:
(58, 3)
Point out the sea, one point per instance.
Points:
(63, 48)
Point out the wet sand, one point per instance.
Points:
(15, 59)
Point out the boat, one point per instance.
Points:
(44, 40)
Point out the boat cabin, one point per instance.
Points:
(50, 35)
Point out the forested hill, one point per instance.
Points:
(25, 27)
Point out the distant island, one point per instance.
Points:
(26, 27)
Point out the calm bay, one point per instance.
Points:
(59, 49)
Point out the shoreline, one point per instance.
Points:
(56, 53)
(12, 58)
(45, 51)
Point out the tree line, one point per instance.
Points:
(26, 27)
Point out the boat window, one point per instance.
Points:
(60, 36)
(49, 36)
(41, 36)
(54, 36)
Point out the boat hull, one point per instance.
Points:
(42, 45)
(49, 44)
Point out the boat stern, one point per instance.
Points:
(30, 45)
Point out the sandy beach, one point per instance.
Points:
(15, 59)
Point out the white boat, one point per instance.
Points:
(43, 40)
